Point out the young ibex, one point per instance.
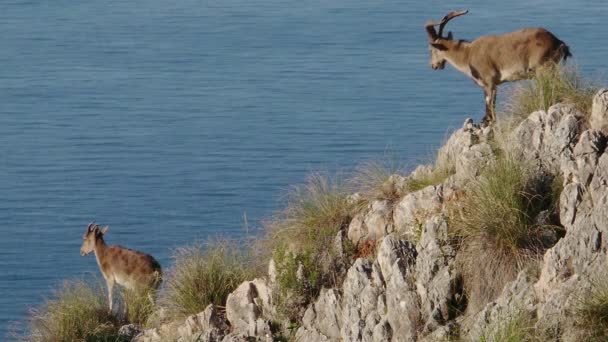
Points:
(494, 59)
(119, 265)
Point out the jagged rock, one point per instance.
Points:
(245, 307)
(361, 300)
(437, 282)
(585, 157)
(234, 337)
(599, 111)
(373, 223)
(465, 151)
(396, 259)
(129, 331)
(413, 209)
(322, 319)
(469, 164)
(547, 139)
(208, 326)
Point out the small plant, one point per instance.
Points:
(301, 238)
(78, 312)
(496, 226)
(592, 311)
(552, 84)
(517, 328)
(203, 276)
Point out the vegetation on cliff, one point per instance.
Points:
(484, 213)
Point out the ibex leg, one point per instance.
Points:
(487, 95)
(110, 284)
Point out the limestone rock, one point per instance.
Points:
(414, 208)
(129, 331)
(599, 111)
(322, 319)
(245, 307)
(372, 223)
(546, 139)
(209, 325)
(437, 282)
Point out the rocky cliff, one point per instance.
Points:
(410, 287)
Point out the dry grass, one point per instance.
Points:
(138, 306)
(78, 312)
(517, 328)
(495, 226)
(203, 275)
(552, 84)
(435, 177)
(374, 180)
(592, 311)
(301, 239)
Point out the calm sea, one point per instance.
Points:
(173, 121)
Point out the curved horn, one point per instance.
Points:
(91, 226)
(449, 17)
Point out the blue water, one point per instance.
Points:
(174, 120)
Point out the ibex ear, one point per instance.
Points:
(449, 36)
(439, 46)
(104, 230)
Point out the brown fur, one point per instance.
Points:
(119, 265)
(491, 60)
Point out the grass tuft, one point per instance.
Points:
(496, 224)
(138, 306)
(517, 328)
(551, 85)
(203, 275)
(78, 312)
(301, 239)
(592, 311)
(375, 180)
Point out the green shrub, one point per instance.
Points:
(551, 85)
(302, 237)
(591, 311)
(496, 226)
(78, 312)
(202, 276)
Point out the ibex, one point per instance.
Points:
(494, 59)
(119, 265)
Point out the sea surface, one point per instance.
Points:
(177, 121)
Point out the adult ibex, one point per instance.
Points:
(494, 59)
(119, 265)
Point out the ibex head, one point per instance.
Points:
(91, 235)
(436, 46)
